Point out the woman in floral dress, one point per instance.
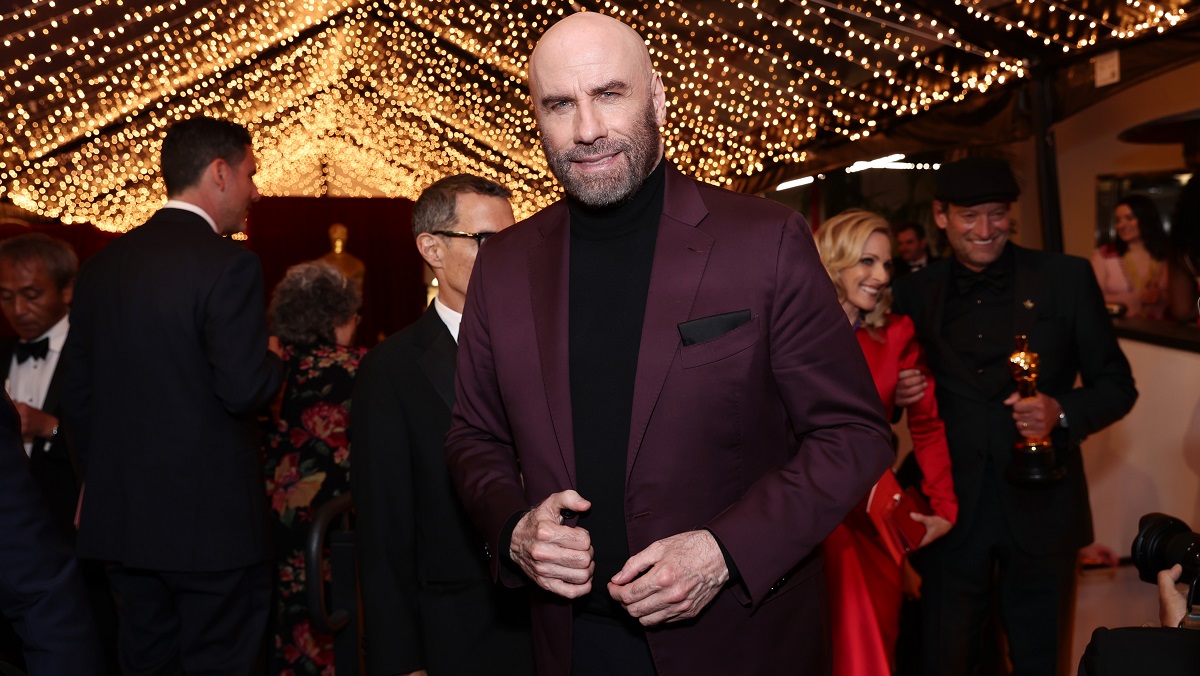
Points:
(313, 315)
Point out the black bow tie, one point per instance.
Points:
(991, 278)
(37, 349)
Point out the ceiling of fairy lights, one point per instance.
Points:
(382, 97)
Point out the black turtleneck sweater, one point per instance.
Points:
(612, 252)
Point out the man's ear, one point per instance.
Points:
(218, 171)
(432, 250)
(940, 214)
(68, 292)
(659, 97)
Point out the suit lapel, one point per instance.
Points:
(549, 282)
(438, 353)
(680, 254)
(1029, 281)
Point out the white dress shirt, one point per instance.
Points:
(28, 383)
(450, 318)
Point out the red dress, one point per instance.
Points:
(864, 581)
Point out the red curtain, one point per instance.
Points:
(284, 231)
(82, 237)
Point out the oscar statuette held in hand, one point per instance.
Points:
(1034, 462)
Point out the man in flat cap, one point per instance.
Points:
(1014, 541)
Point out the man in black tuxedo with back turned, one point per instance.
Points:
(1017, 541)
(429, 603)
(167, 367)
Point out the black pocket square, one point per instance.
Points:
(705, 329)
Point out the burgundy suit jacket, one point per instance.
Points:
(767, 435)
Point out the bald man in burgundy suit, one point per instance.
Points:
(661, 410)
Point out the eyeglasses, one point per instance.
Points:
(479, 237)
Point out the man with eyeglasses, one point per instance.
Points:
(428, 599)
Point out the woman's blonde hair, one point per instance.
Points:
(840, 241)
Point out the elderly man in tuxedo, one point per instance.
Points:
(167, 367)
(37, 278)
(661, 410)
(1016, 540)
(428, 601)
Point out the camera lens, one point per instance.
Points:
(1163, 541)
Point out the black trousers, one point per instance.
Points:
(191, 623)
(1034, 593)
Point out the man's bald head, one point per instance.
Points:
(599, 105)
(589, 36)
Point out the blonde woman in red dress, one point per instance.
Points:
(864, 577)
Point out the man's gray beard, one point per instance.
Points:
(640, 152)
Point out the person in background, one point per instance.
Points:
(1013, 545)
(865, 585)
(1132, 270)
(37, 278)
(429, 604)
(1184, 273)
(313, 314)
(913, 249)
(167, 371)
(40, 587)
(1171, 649)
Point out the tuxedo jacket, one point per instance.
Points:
(1057, 303)
(763, 425)
(40, 587)
(53, 463)
(428, 599)
(167, 365)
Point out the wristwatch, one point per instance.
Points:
(1191, 620)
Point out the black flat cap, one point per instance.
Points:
(976, 180)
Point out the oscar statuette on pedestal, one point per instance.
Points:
(1034, 462)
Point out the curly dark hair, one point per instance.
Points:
(309, 302)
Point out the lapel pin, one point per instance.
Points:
(1028, 304)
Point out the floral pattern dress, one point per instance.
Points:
(307, 462)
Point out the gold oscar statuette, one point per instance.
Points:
(1034, 462)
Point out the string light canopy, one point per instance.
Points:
(382, 97)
